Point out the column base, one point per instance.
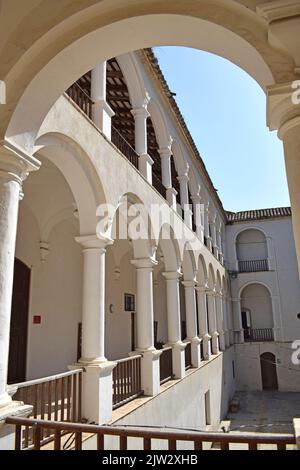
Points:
(150, 372)
(96, 391)
(206, 346)
(178, 359)
(171, 194)
(195, 351)
(239, 336)
(215, 342)
(227, 339)
(145, 166)
(222, 344)
(7, 431)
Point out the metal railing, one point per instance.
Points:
(81, 98)
(121, 143)
(127, 380)
(57, 397)
(188, 356)
(166, 365)
(83, 431)
(253, 266)
(258, 334)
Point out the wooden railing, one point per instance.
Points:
(188, 356)
(84, 431)
(121, 143)
(81, 98)
(57, 397)
(258, 334)
(166, 365)
(127, 380)
(157, 184)
(253, 266)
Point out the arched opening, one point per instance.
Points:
(48, 224)
(19, 323)
(268, 371)
(257, 313)
(252, 251)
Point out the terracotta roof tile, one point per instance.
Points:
(258, 214)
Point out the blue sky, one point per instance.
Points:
(225, 110)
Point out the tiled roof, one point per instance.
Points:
(259, 214)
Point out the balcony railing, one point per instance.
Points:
(253, 266)
(81, 98)
(166, 365)
(188, 356)
(127, 380)
(54, 398)
(157, 183)
(121, 143)
(258, 334)
(84, 431)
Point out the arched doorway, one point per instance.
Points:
(19, 323)
(268, 371)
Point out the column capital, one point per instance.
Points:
(165, 152)
(142, 111)
(189, 283)
(196, 198)
(202, 288)
(281, 107)
(144, 263)
(93, 242)
(184, 178)
(15, 163)
(172, 275)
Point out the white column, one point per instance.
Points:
(214, 236)
(13, 170)
(174, 323)
(230, 320)
(97, 377)
(145, 161)
(191, 321)
(166, 174)
(225, 322)
(237, 321)
(203, 326)
(102, 112)
(206, 227)
(277, 319)
(211, 306)
(14, 167)
(220, 320)
(197, 216)
(144, 325)
(93, 299)
(184, 199)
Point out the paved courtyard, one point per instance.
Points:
(265, 412)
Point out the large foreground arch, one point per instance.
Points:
(70, 36)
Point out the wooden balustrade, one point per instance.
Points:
(188, 356)
(166, 365)
(81, 98)
(258, 334)
(126, 380)
(57, 397)
(121, 143)
(83, 431)
(157, 184)
(253, 266)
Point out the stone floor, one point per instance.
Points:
(265, 412)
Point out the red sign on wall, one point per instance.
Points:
(37, 319)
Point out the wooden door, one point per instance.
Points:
(268, 371)
(19, 324)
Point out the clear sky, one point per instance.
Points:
(225, 110)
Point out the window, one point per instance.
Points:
(207, 408)
(233, 370)
(129, 302)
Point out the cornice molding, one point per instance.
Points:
(278, 10)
